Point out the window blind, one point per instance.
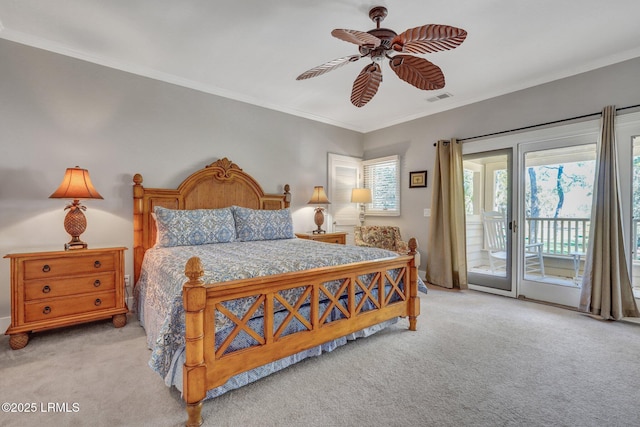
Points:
(382, 176)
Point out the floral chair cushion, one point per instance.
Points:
(381, 236)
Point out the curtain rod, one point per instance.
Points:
(541, 124)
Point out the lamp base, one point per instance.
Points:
(75, 223)
(318, 218)
(74, 244)
(362, 214)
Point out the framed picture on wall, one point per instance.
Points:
(417, 179)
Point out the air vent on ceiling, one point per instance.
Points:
(439, 97)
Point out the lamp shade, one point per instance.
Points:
(76, 185)
(319, 197)
(361, 195)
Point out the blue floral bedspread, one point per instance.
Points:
(159, 290)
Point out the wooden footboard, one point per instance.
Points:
(381, 285)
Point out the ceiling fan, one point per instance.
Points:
(381, 43)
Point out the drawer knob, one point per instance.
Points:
(46, 268)
(97, 302)
(46, 289)
(97, 264)
(46, 310)
(97, 283)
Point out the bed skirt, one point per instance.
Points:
(174, 377)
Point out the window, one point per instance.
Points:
(382, 176)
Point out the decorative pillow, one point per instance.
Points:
(194, 227)
(252, 224)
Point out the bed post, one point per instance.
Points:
(194, 297)
(414, 299)
(138, 249)
(287, 196)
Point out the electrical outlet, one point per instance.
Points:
(427, 212)
(127, 280)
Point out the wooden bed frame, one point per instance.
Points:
(223, 184)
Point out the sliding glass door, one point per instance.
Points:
(530, 194)
(487, 187)
(635, 223)
(628, 138)
(556, 216)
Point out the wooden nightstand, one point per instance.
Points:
(54, 289)
(338, 237)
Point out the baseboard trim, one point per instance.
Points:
(5, 322)
(130, 304)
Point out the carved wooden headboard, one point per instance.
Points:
(218, 185)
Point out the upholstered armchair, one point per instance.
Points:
(382, 236)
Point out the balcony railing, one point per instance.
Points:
(564, 236)
(559, 236)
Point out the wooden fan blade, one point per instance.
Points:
(417, 72)
(428, 39)
(357, 37)
(366, 84)
(327, 66)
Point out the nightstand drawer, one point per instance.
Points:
(332, 239)
(38, 289)
(59, 307)
(61, 266)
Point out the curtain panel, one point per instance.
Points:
(446, 245)
(606, 283)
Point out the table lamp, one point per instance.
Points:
(319, 197)
(75, 185)
(361, 196)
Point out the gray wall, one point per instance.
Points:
(57, 112)
(585, 93)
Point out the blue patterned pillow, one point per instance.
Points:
(194, 227)
(252, 224)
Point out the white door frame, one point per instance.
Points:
(343, 215)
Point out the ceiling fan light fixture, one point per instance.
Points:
(379, 43)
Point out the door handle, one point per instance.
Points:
(513, 226)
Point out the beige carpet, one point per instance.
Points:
(477, 360)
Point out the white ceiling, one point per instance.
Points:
(253, 50)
